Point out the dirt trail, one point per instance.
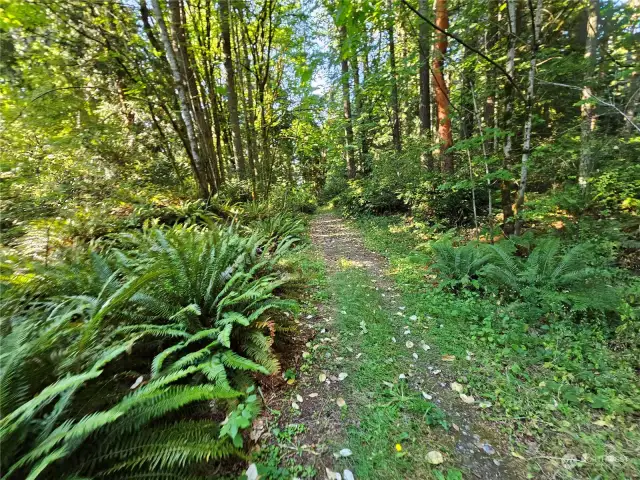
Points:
(478, 446)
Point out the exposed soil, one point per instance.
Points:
(478, 446)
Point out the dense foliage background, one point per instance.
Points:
(157, 158)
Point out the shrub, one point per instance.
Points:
(460, 266)
(187, 311)
(551, 281)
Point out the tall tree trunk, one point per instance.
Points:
(199, 169)
(505, 185)
(442, 94)
(466, 103)
(490, 110)
(346, 103)
(202, 123)
(395, 102)
(359, 111)
(425, 94)
(536, 20)
(247, 101)
(588, 109)
(232, 95)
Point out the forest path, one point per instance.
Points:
(371, 338)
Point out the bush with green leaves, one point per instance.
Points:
(459, 266)
(551, 280)
(107, 368)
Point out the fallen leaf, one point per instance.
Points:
(299, 398)
(291, 381)
(426, 396)
(348, 475)
(137, 383)
(331, 475)
(295, 406)
(402, 376)
(448, 358)
(456, 387)
(306, 354)
(409, 344)
(388, 384)
(425, 347)
(342, 376)
(434, 457)
(413, 317)
(340, 402)
(322, 378)
(345, 452)
(358, 356)
(485, 404)
(415, 355)
(467, 398)
(252, 472)
(436, 372)
(517, 455)
(313, 395)
(601, 423)
(393, 339)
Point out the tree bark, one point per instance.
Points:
(346, 103)
(232, 96)
(425, 93)
(505, 185)
(395, 103)
(199, 169)
(536, 20)
(359, 111)
(490, 110)
(587, 109)
(442, 94)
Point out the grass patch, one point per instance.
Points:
(557, 390)
(390, 428)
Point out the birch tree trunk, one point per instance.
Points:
(395, 105)
(346, 104)
(505, 185)
(588, 109)
(536, 18)
(232, 95)
(181, 88)
(425, 93)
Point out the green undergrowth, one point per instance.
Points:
(560, 390)
(390, 428)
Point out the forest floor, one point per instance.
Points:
(373, 395)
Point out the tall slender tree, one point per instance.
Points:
(505, 185)
(395, 101)
(232, 95)
(536, 21)
(442, 93)
(588, 108)
(425, 91)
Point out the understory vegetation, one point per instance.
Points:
(550, 339)
(139, 353)
(161, 162)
